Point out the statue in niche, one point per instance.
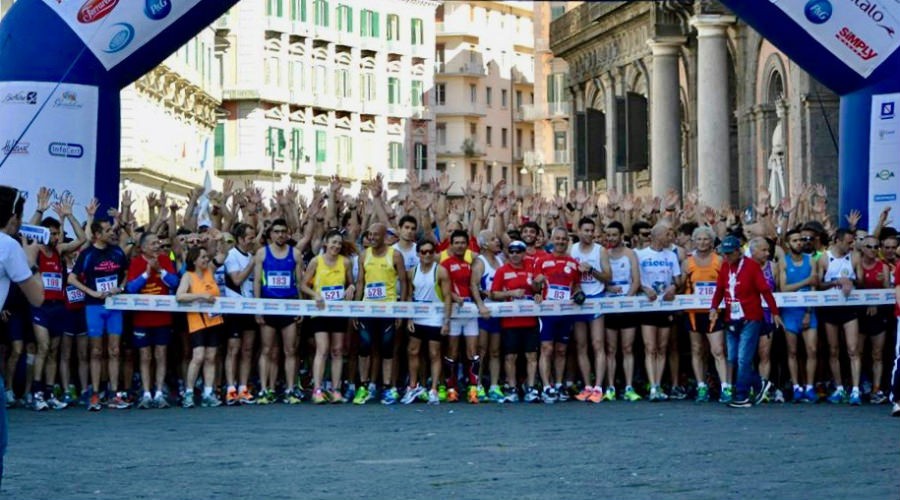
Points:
(776, 160)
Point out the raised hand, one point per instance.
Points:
(91, 208)
(853, 218)
(43, 198)
(152, 200)
(670, 201)
(821, 191)
(581, 197)
(785, 205)
(819, 205)
(709, 215)
(63, 207)
(613, 198)
(228, 186)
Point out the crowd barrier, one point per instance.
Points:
(606, 305)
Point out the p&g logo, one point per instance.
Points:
(818, 11)
(157, 9)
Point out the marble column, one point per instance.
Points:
(713, 110)
(609, 103)
(665, 123)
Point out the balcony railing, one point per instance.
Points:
(561, 109)
(560, 157)
(466, 69)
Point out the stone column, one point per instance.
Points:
(613, 180)
(665, 124)
(713, 113)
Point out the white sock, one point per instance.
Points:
(701, 384)
(839, 388)
(809, 387)
(207, 390)
(726, 385)
(146, 394)
(796, 386)
(242, 388)
(855, 388)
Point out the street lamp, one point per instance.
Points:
(533, 163)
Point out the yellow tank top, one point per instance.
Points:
(203, 283)
(330, 281)
(381, 277)
(468, 257)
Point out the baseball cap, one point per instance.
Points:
(729, 244)
(519, 245)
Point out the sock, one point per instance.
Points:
(207, 391)
(809, 387)
(628, 388)
(855, 388)
(796, 386)
(701, 384)
(839, 388)
(146, 394)
(451, 372)
(726, 386)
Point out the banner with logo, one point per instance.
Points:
(862, 33)
(59, 150)
(884, 157)
(114, 29)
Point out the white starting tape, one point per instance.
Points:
(606, 305)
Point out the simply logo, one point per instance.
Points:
(884, 174)
(124, 34)
(68, 99)
(22, 97)
(64, 150)
(95, 10)
(856, 44)
(157, 9)
(818, 11)
(887, 110)
(12, 148)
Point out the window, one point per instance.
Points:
(519, 139)
(219, 141)
(473, 171)
(295, 73)
(344, 145)
(557, 11)
(441, 134)
(395, 156)
(393, 27)
(275, 143)
(473, 131)
(298, 10)
(296, 148)
(367, 86)
(421, 158)
(559, 141)
(473, 93)
(488, 95)
(556, 84)
(345, 18)
(321, 7)
(504, 173)
(321, 146)
(440, 93)
(417, 99)
(342, 82)
(503, 133)
(275, 8)
(503, 96)
(442, 166)
(273, 70)
(393, 90)
(320, 86)
(518, 99)
(417, 35)
(368, 23)
(488, 134)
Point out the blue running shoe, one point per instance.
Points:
(810, 396)
(798, 395)
(837, 396)
(855, 398)
(390, 396)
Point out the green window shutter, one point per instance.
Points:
(321, 146)
(282, 143)
(219, 141)
(269, 140)
(303, 10)
(375, 26)
(349, 16)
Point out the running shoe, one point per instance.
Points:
(442, 393)
(798, 395)
(119, 401)
(292, 397)
(702, 394)
(763, 395)
(231, 396)
(210, 401)
(584, 394)
(263, 398)
(412, 393)
(187, 398)
(94, 404)
(39, 403)
(71, 394)
(362, 395)
(549, 395)
(811, 396)
(855, 398)
(472, 395)
(778, 397)
(390, 396)
(878, 398)
(654, 396)
(10, 399)
(596, 395)
(433, 397)
(727, 395)
(482, 395)
(349, 392)
(744, 403)
(146, 402)
(678, 393)
(452, 395)
(495, 394)
(335, 397)
(660, 395)
(531, 395)
(318, 397)
(68, 401)
(512, 396)
(160, 400)
(373, 392)
(837, 396)
(562, 394)
(631, 395)
(245, 398)
(895, 411)
(610, 394)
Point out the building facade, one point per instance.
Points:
(314, 88)
(680, 94)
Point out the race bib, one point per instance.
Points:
(220, 278)
(74, 294)
(376, 291)
(737, 312)
(705, 288)
(107, 284)
(558, 292)
(588, 277)
(52, 281)
(333, 292)
(278, 279)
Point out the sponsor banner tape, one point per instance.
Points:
(607, 305)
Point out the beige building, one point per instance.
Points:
(314, 88)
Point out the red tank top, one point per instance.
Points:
(874, 276)
(460, 274)
(53, 275)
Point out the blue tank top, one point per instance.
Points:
(797, 272)
(279, 280)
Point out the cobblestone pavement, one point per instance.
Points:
(572, 450)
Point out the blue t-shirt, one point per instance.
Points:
(101, 269)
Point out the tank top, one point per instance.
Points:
(621, 275)
(53, 275)
(839, 267)
(279, 281)
(873, 277)
(460, 272)
(701, 280)
(590, 285)
(381, 277)
(487, 278)
(410, 257)
(769, 274)
(425, 289)
(203, 283)
(795, 273)
(330, 280)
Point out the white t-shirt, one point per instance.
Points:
(13, 265)
(658, 268)
(235, 262)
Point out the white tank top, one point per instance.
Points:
(839, 267)
(621, 274)
(425, 290)
(590, 285)
(487, 279)
(410, 257)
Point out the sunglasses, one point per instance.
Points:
(644, 235)
(229, 242)
(426, 252)
(872, 247)
(806, 238)
(515, 250)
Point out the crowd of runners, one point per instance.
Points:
(482, 244)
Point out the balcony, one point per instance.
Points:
(560, 109)
(422, 113)
(454, 28)
(460, 109)
(351, 39)
(421, 50)
(401, 110)
(533, 112)
(396, 47)
(240, 94)
(274, 93)
(459, 69)
(395, 175)
(561, 157)
(327, 101)
(280, 24)
(372, 107)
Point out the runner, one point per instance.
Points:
(484, 268)
(797, 274)
(241, 328)
(760, 251)
(873, 273)
(625, 282)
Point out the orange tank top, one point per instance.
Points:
(203, 283)
(701, 280)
